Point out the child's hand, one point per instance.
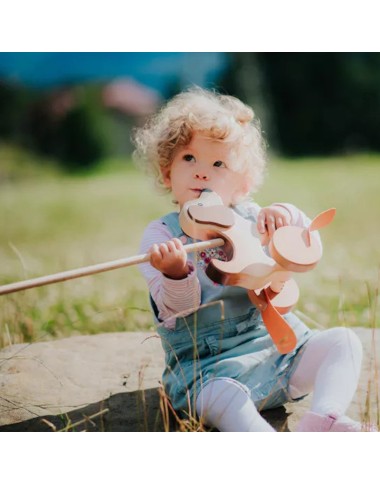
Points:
(170, 258)
(271, 218)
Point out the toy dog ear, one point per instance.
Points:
(217, 215)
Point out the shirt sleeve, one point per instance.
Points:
(173, 298)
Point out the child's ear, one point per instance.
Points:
(165, 171)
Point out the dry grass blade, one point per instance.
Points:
(87, 419)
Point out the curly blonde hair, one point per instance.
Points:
(216, 116)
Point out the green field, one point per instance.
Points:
(51, 222)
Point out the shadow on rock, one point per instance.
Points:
(136, 411)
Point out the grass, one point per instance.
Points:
(53, 222)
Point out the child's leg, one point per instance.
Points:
(331, 365)
(224, 403)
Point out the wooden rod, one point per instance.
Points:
(98, 268)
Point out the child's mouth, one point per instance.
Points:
(197, 191)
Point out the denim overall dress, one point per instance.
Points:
(225, 337)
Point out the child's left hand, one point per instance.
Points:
(271, 218)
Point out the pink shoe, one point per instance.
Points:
(316, 422)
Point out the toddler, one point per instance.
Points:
(226, 370)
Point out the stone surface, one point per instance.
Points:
(111, 382)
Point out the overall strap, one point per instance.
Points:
(171, 220)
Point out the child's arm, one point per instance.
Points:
(171, 296)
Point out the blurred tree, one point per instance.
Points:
(69, 124)
(308, 104)
(245, 79)
(311, 103)
(15, 101)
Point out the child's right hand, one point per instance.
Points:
(170, 258)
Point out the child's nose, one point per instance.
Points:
(201, 175)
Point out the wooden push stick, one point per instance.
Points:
(98, 268)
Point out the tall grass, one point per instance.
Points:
(54, 222)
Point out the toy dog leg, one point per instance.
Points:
(278, 328)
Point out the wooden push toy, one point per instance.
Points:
(267, 278)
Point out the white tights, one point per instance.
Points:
(330, 366)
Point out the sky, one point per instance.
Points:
(158, 71)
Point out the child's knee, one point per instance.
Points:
(345, 343)
(347, 337)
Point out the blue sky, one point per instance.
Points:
(156, 70)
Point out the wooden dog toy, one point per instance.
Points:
(266, 277)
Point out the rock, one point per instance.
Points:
(111, 382)
(67, 379)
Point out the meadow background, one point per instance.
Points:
(70, 195)
(52, 222)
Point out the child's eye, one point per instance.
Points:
(219, 163)
(188, 157)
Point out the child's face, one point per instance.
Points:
(204, 164)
